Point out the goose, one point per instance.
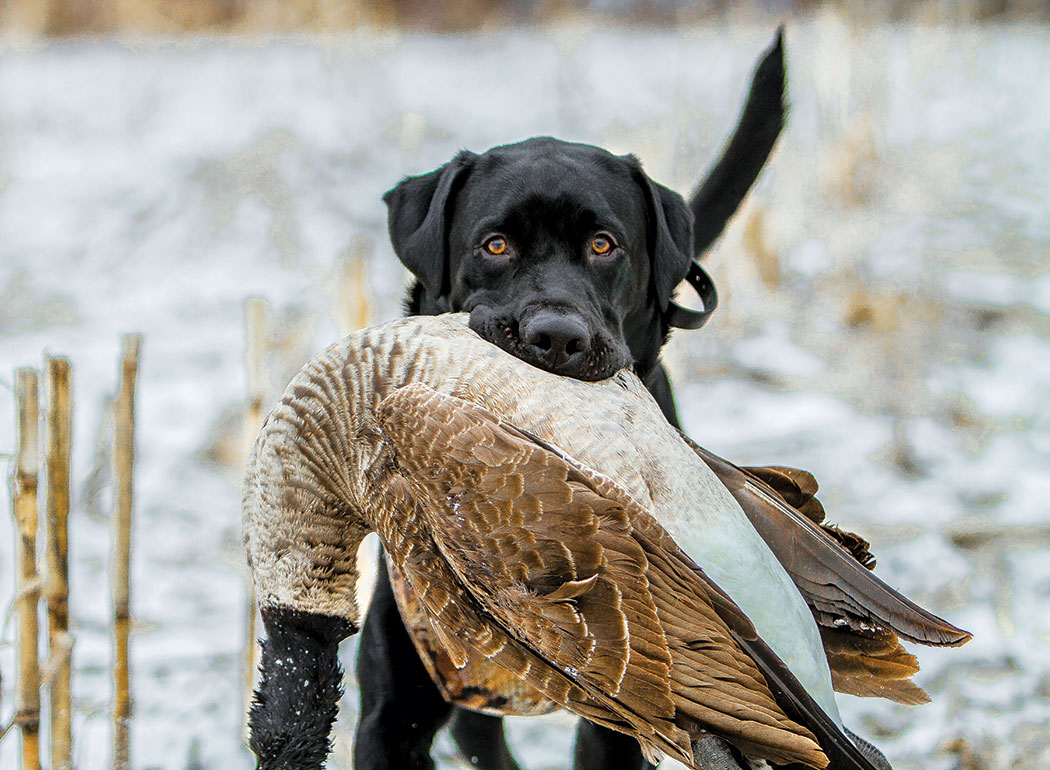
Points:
(563, 531)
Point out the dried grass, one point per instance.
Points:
(62, 18)
(56, 581)
(27, 580)
(123, 474)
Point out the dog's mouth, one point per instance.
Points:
(557, 342)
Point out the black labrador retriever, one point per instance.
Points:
(566, 256)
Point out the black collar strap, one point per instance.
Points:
(684, 318)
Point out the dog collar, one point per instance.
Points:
(684, 318)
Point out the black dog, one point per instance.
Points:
(565, 256)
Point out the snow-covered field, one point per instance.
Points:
(885, 320)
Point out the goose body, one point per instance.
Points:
(561, 529)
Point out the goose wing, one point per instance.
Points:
(827, 571)
(864, 660)
(580, 577)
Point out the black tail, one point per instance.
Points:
(756, 132)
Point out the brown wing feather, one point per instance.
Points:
(835, 585)
(483, 493)
(872, 665)
(550, 551)
(798, 488)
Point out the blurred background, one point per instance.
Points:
(884, 319)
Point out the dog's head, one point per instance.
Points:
(565, 255)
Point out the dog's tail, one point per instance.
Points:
(725, 186)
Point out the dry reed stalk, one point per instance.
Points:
(56, 581)
(355, 296)
(766, 259)
(27, 582)
(256, 312)
(66, 18)
(123, 467)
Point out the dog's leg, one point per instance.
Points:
(599, 748)
(481, 740)
(401, 709)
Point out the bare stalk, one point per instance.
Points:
(256, 311)
(123, 466)
(355, 296)
(27, 582)
(56, 581)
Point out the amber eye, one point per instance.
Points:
(496, 245)
(601, 244)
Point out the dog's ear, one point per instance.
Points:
(670, 236)
(418, 220)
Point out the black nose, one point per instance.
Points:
(556, 338)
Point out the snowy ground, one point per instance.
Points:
(885, 292)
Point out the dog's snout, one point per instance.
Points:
(560, 341)
(556, 338)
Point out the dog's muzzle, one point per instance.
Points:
(555, 340)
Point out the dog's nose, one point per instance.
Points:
(556, 338)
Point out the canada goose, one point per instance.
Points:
(857, 613)
(533, 517)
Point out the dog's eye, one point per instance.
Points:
(496, 245)
(601, 244)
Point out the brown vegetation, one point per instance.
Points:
(123, 472)
(27, 584)
(56, 581)
(63, 18)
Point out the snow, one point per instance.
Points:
(902, 355)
